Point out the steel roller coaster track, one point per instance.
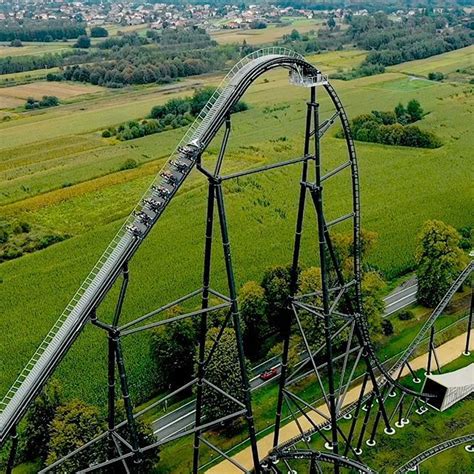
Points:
(339, 299)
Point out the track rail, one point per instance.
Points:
(110, 265)
(433, 451)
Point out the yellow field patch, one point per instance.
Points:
(33, 48)
(39, 89)
(59, 195)
(266, 35)
(9, 102)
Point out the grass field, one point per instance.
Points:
(447, 63)
(266, 35)
(33, 48)
(57, 172)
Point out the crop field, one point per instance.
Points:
(39, 89)
(33, 48)
(338, 60)
(57, 172)
(25, 77)
(265, 35)
(7, 102)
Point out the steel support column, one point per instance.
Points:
(13, 449)
(469, 326)
(294, 271)
(236, 323)
(317, 196)
(203, 322)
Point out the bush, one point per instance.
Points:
(22, 227)
(435, 76)
(106, 134)
(128, 165)
(99, 32)
(4, 236)
(387, 327)
(16, 43)
(49, 101)
(83, 42)
(406, 315)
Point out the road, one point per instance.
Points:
(183, 417)
(401, 297)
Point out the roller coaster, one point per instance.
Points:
(337, 308)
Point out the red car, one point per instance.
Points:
(269, 374)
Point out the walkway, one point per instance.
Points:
(446, 353)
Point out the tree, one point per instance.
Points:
(253, 309)
(310, 282)
(74, 424)
(402, 114)
(373, 305)
(439, 259)
(331, 23)
(99, 32)
(83, 42)
(223, 371)
(276, 283)
(172, 350)
(414, 110)
(38, 421)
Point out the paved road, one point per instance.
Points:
(401, 297)
(183, 417)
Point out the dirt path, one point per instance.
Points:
(446, 353)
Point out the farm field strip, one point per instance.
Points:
(266, 35)
(33, 48)
(62, 90)
(445, 63)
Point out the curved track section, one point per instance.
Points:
(433, 451)
(128, 239)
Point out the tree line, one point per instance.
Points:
(40, 30)
(54, 427)
(388, 42)
(145, 66)
(13, 64)
(394, 127)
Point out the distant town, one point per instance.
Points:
(162, 15)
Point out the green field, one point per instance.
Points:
(448, 63)
(58, 173)
(34, 48)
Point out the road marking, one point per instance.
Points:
(175, 410)
(401, 307)
(401, 291)
(174, 421)
(401, 299)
